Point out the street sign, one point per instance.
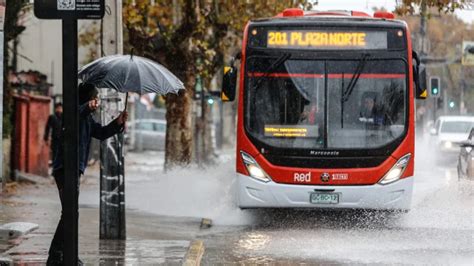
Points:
(467, 54)
(69, 9)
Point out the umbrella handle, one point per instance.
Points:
(124, 110)
(126, 102)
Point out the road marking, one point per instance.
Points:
(194, 255)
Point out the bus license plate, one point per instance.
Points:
(324, 198)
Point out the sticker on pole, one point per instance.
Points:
(467, 53)
(69, 9)
(67, 4)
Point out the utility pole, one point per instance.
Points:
(423, 28)
(112, 174)
(2, 17)
(462, 106)
(423, 46)
(69, 14)
(71, 141)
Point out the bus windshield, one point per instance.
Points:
(326, 104)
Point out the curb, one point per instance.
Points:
(194, 254)
(31, 178)
(17, 229)
(5, 261)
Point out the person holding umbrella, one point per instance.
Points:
(88, 128)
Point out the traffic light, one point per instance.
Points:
(212, 96)
(210, 101)
(452, 104)
(435, 87)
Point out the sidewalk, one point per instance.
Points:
(151, 239)
(158, 203)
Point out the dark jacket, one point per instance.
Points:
(88, 128)
(53, 127)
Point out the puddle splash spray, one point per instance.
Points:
(189, 192)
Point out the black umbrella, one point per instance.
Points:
(129, 73)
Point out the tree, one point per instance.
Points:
(191, 37)
(15, 9)
(445, 6)
(89, 39)
(445, 34)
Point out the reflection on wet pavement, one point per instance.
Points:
(137, 252)
(118, 252)
(254, 241)
(151, 239)
(438, 229)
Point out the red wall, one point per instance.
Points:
(30, 153)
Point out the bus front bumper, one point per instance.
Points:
(256, 194)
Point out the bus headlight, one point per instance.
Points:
(397, 170)
(253, 168)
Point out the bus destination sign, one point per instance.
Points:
(319, 40)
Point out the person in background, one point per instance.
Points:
(308, 116)
(88, 128)
(369, 113)
(53, 128)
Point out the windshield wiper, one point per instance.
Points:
(346, 93)
(280, 60)
(350, 87)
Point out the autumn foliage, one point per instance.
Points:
(191, 38)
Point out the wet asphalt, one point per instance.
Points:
(164, 211)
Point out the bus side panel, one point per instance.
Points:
(408, 145)
(242, 139)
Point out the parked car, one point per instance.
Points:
(466, 157)
(447, 134)
(150, 134)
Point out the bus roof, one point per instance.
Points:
(297, 16)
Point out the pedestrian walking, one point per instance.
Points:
(53, 130)
(88, 128)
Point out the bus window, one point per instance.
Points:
(373, 113)
(287, 110)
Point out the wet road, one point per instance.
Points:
(438, 230)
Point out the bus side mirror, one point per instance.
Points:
(421, 88)
(419, 76)
(229, 84)
(467, 144)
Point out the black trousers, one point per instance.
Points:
(54, 148)
(57, 244)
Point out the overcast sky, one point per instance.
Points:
(366, 5)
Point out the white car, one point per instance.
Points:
(448, 132)
(150, 134)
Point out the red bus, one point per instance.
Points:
(326, 111)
